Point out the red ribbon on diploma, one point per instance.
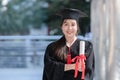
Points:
(81, 58)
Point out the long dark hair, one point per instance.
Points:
(60, 48)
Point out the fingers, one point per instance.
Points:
(80, 65)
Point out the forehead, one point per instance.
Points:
(69, 21)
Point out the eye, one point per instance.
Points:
(65, 24)
(73, 24)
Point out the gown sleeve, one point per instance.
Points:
(90, 62)
(53, 70)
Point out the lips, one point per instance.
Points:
(69, 32)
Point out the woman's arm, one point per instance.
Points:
(72, 67)
(69, 67)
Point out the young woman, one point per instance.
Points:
(58, 54)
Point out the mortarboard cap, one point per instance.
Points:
(70, 13)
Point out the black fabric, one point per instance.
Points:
(69, 13)
(54, 69)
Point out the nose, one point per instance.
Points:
(69, 27)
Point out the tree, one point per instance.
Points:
(20, 15)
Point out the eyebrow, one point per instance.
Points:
(64, 21)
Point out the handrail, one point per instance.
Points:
(41, 37)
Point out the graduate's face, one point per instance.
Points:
(69, 27)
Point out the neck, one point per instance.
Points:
(70, 40)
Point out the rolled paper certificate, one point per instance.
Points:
(81, 58)
(82, 47)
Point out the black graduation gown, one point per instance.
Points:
(54, 69)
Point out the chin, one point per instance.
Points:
(70, 35)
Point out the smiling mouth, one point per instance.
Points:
(69, 32)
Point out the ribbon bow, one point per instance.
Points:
(79, 58)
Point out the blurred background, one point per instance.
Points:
(28, 26)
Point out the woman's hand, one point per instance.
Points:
(69, 67)
(72, 66)
(80, 66)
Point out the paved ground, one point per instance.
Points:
(21, 74)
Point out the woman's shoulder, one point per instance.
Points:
(50, 45)
(54, 43)
(50, 48)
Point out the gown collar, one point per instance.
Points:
(71, 43)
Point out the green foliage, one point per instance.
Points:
(18, 16)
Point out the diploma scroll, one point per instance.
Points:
(82, 48)
(81, 58)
